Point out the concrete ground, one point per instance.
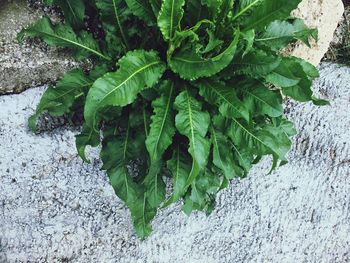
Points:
(54, 208)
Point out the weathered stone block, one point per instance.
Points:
(26, 65)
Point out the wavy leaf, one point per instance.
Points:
(225, 97)
(260, 142)
(162, 128)
(223, 155)
(137, 70)
(255, 64)
(73, 10)
(87, 136)
(169, 17)
(116, 154)
(203, 192)
(263, 13)
(158, 140)
(82, 45)
(142, 9)
(114, 14)
(193, 123)
(180, 169)
(190, 65)
(260, 100)
(280, 33)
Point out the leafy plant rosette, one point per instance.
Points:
(186, 90)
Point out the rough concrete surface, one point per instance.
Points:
(25, 65)
(54, 208)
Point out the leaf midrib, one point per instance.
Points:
(167, 109)
(119, 24)
(75, 43)
(123, 83)
(263, 101)
(191, 121)
(250, 134)
(225, 99)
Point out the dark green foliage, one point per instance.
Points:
(196, 93)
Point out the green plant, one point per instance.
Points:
(196, 93)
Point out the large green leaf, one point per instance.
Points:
(280, 33)
(190, 65)
(82, 45)
(143, 10)
(169, 17)
(193, 123)
(88, 136)
(261, 13)
(203, 192)
(162, 127)
(261, 141)
(137, 70)
(256, 64)
(223, 157)
(260, 100)
(73, 10)
(58, 100)
(180, 168)
(162, 130)
(116, 155)
(225, 97)
(114, 14)
(294, 78)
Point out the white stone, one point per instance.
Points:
(323, 15)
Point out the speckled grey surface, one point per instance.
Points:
(54, 208)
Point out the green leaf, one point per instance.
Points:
(113, 15)
(281, 33)
(223, 155)
(158, 140)
(156, 5)
(87, 136)
(282, 76)
(169, 17)
(249, 38)
(225, 8)
(265, 12)
(180, 169)
(213, 43)
(143, 10)
(58, 100)
(302, 90)
(193, 123)
(255, 64)
(142, 215)
(73, 10)
(137, 70)
(260, 100)
(261, 142)
(162, 126)
(203, 191)
(82, 45)
(115, 155)
(190, 65)
(225, 97)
